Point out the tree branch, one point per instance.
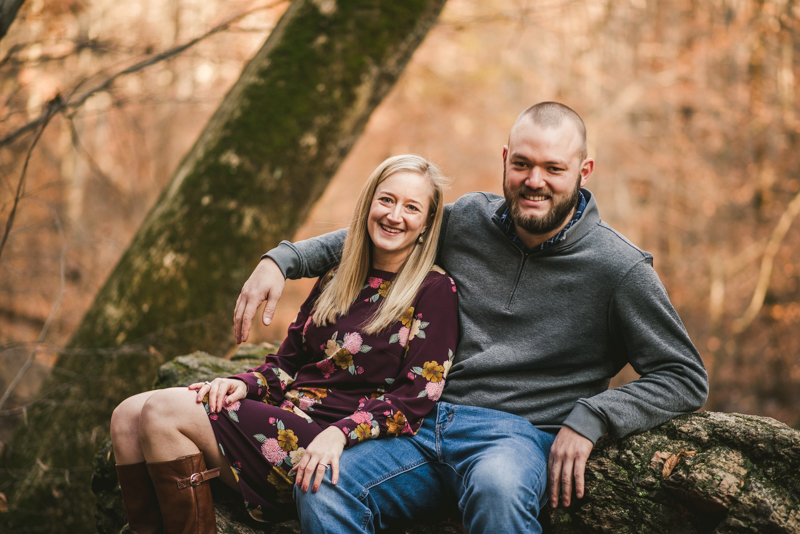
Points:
(70, 101)
(53, 311)
(767, 262)
(51, 108)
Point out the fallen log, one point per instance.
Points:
(700, 473)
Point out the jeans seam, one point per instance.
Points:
(393, 474)
(367, 518)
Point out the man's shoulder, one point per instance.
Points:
(488, 201)
(618, 248)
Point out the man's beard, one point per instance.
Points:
(550, 221)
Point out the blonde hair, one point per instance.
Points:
(341, 292)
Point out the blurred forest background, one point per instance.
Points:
(691, 109)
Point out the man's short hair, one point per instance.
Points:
(551, 115)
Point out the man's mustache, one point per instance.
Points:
(539, 191)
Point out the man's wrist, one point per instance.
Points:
(286, 258)
(586, 422)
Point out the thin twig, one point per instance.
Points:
(76, 142)
(49, 112)
(69, 102)
(53, 311)
(767, 262)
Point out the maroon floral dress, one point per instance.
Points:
(368, 386)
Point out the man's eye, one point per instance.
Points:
(519, 164)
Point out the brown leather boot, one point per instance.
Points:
(184, 494)
(139, 497)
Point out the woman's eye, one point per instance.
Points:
(413, 208)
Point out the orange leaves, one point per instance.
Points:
(670, 461)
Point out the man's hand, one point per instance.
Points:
(568, 457)
(266, 283)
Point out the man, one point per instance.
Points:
(552, 304)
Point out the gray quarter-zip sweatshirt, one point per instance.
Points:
(542, 334)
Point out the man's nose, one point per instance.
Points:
(535, 178)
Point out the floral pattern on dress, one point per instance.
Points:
(368, 386)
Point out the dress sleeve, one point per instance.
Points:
(268, 381)
(430, 336)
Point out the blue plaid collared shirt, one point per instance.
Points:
(508, 227)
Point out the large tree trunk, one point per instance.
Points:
(743, 476)
(8, 12)
(250, 180)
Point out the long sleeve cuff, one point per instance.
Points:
(287, 259)
(586, 423)
(347, 427)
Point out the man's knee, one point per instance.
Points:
(507, 480)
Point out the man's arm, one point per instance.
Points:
(305, 259)
(309, 258)
(673, 379)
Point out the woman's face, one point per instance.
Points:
(397, 216)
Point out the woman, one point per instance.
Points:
(366, 358)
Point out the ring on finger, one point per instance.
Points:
(207, 383)
(326, 465)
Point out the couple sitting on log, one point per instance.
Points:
(461, 354)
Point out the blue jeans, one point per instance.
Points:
(492, 464)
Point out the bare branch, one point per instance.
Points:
(50, 110)
(767, 262)
(53, 311)
(70, 101)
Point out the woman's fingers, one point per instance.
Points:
(321, 468)
(335, 470)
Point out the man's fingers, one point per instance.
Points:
(237, 316)
(269, 308)
(554, 480)
(580, 466)
(250, 310)
(566, 482)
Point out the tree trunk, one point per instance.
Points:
(251, 178)
(744, 476)
(8, 12)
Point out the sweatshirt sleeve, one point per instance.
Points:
(308, 258)
(429, 333)
(268, 381)
(673, 379)
(315, 256)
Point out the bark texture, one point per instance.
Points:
(744, 476)
(262, 161)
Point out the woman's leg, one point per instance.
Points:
(138, 492)
(125, 429)
(173, 424)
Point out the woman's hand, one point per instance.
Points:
(323, 452)
(222, 392)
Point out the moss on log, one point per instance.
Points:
(256, 170)
(744, 476)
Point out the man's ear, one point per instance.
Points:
(586, 170)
